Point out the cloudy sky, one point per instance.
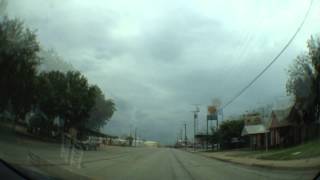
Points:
(157, 58)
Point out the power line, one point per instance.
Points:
(273, 60)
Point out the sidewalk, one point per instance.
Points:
(309, 163)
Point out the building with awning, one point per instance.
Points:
(254, 129)
(273, 130)
(257, 135)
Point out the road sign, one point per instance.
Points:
(212, 109)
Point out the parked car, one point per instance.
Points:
(91, 143)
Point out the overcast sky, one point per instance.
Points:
(157, 58)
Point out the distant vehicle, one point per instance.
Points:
(151, 144)
(91, 143)
(120, 142)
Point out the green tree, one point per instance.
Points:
(18, 61)
(102, 111)
(81, 99)
(314, 55)
(228, 130)
(67, 95)
(304, 82)
(300, 85)
(51, 95)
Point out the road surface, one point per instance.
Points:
(166, 164)
(138, 163)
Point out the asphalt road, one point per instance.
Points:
(137, 163)
(166, 164)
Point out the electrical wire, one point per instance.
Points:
(272, 61)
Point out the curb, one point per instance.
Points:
(317, 167)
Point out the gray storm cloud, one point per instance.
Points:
(157, 58)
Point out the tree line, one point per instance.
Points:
(303, 85)
(23, 89)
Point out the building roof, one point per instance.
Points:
(253, 129)
(279, 118)
(256, 124)
(97, 133)
(282, 113)
(252, 119)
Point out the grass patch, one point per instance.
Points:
(307, 150)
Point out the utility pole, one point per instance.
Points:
(195, 117)
(194, 131)
(130, 130)
(181, 135)
(207, 136)
(221, 111)
(135, 137)
(185, 135)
